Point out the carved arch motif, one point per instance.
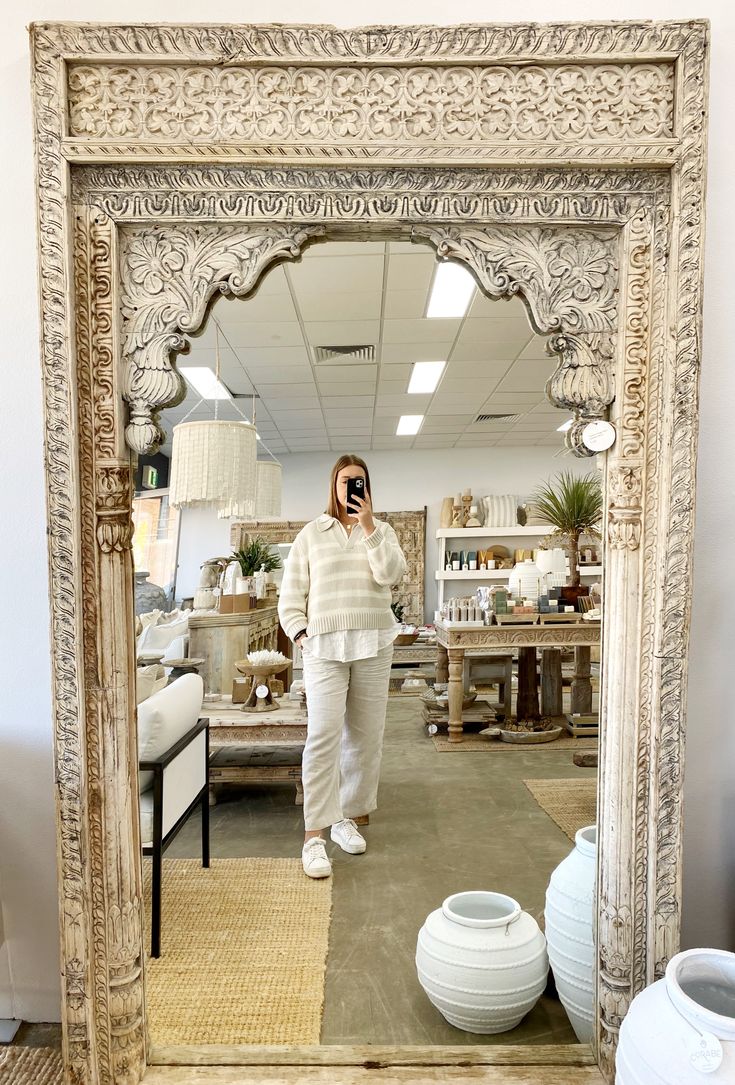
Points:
(169, 274)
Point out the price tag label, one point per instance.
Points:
(705, 1053)
(261, 691)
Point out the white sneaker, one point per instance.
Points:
(314, 858)
(346, 834)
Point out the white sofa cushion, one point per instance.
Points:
(157, 636)
(149, 680)
(165, 717)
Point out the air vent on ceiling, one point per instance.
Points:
(360, 353)
(495, 418)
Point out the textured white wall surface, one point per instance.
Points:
(28, 970)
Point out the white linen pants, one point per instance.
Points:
(346, 704)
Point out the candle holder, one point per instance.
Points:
(260, 698)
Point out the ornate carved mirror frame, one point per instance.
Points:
(562, 163)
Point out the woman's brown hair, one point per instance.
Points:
(347, 460)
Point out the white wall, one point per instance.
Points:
(400, 480)
(27, 876)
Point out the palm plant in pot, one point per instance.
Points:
(572, 504)
(256, 554)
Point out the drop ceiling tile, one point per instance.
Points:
(395, 371)
(289, 391)
(434, 440)
(296, 416)
(424, 332)
(405, 304)
(337, 274)
(254, 359)
(348, 414)
(282, 375)
(453, 423)
(535, 350)
(278, 404)
(330, 305)
(402, 353)
(410, 271)
(408, 404)
(527, 376)
(479, 440)
(508, 311)
(402, 443)
(322, 249)
(358, 388)
(349, 431)
(253, 336)
(413, 247)
(273, 281)
(309, 446)
(544, 407)
(455, 403)
(385, 426)
(492, 350)
(347, 401)
(275, 307)
(511, 401)
(393, 387)
(344, 373)
(343, 333)
(482, 386)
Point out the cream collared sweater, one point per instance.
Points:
(332, 582)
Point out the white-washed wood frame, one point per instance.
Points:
(563, 163)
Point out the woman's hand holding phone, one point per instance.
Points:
(362, 509)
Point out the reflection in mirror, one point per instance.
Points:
(487, 688)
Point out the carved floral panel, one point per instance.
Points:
(462, 104)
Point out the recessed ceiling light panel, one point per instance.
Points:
(203, 381)
(409, 424)
(425, 377)
(451, 292)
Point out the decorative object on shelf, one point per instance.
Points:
(268, 486)
(573, 505)
(482, 961)
(542, 731)
(149, 596)
(570, 917)
(398, 610)
(526, 580)
(529, 515)
(255, 554)
(457, 513)
(261, 667)
(205, 596)
(500, 510)
(183, 666)
(681, 1029)
(447, 512)
(466, 506)
(472, 520)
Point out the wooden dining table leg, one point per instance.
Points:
(581, 683)
(441, 669)
(551, 685)
(456, 693)
(527, 705)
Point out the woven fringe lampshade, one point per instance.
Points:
(268, 490)
(213, 465)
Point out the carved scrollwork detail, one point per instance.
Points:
(568, 279)
(625, 506)
(168, 277)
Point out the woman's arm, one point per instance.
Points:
(385, 556)
(292, 601)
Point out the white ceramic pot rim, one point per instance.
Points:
(720, 1024)
(480, 908)
(585, 840)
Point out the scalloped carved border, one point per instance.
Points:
(649, 209)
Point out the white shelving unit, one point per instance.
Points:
(478, 576)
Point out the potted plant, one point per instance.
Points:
(572, 504)
(255, 555)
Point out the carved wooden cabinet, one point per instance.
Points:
(222, 639)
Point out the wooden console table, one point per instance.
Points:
(453, 642)
(222, 639)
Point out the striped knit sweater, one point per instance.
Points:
(332, 582)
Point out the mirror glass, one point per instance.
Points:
(374, 348)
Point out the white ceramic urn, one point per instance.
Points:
(681, 1029)
(570, 922)
(482, 961)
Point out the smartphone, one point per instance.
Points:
(355, 488)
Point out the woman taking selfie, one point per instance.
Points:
(335, 604)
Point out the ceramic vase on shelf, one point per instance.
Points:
(570, 922)
(149, 596)
(447, 512)
(681, 1029)
(482, 961)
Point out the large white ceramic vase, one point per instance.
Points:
(681, 1029)
(482, 961)
(570, 922)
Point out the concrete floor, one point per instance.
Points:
(447, 822)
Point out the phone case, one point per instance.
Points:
(354, 486)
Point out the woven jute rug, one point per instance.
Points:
(31, 1066)
(572, 804)
(472, 743)
(243, 953)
